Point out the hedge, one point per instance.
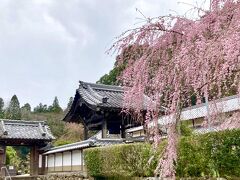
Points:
(210, 155)
(122, 160)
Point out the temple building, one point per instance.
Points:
(99, 107)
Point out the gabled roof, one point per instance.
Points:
(24, 130)
(98, 96)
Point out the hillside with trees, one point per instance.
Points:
(52, 114)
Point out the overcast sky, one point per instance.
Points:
(47, 46)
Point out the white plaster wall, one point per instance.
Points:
(67, 159)
(50, 160)
(58, 159)
(83, 158)
(46, 162)
(76, 157)
(40, 161)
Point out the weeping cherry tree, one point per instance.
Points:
(181, 58)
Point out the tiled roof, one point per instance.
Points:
(101, 95)
(20, 129)
(222, 105)
(84, 144)
(204, 130)
(134, 129)
(136, 139)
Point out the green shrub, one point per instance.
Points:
(211, 155)
(12, 158)
(61, 142)
(93, 160)
(122, 160)
(190, 158)
(185, 130)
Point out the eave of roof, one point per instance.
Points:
(134, 129)
(68, 147)
(222, 105)
(84, 144)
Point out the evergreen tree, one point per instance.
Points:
(26, 107)
(112, 77)
(40, 108)
(26, 111)
(55, 107)
(1, 108)
(45, 108)
(130, 53)
(50, 108)
(70, 103)
(13, 110)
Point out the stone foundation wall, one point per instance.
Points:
(62, 176)
(67, 176)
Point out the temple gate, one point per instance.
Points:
(33, 134)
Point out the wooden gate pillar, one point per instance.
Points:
(123, 132)
(85, 131)
(104, 128)
(34, 160)
(2, 159)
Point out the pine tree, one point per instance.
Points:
(55, 107)
(1, 108)
(70, 103)
(13, 110)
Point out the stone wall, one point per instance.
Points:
(67, 176)
(61, 177)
